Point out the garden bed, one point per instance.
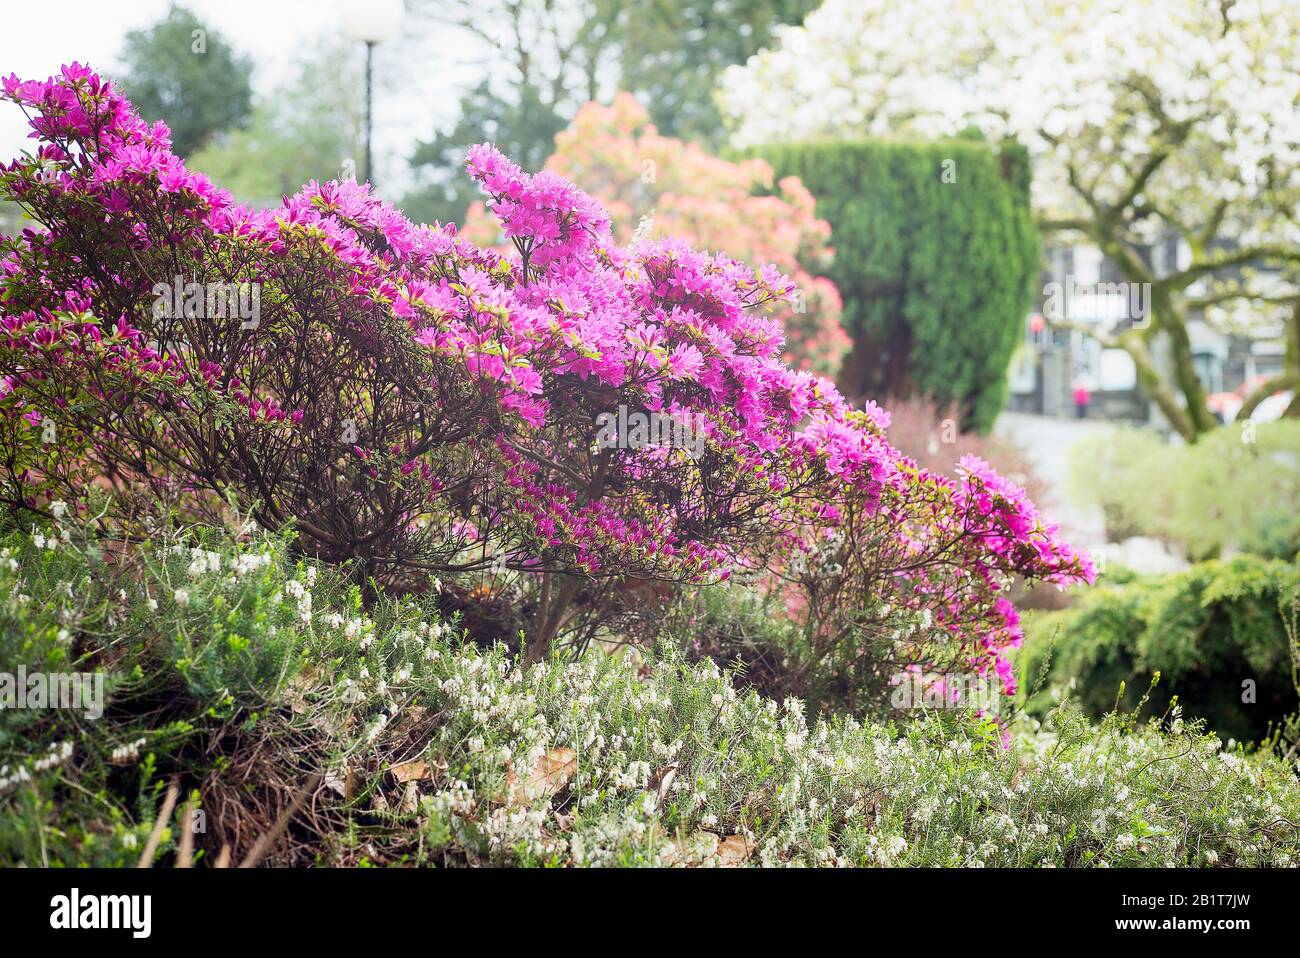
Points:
(279, 708)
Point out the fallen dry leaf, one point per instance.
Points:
(734, 850)
(297, 688)
(334, 780)
(413, 771)
(665, 780)
(691, 850)
(553, 771)
(411, 718)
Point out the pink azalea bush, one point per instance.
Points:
(417, 405)
(948, 549)
(617, 155)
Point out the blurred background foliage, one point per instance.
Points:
(548, 59)
(198, 96)
(1236, 490)
(308, 129)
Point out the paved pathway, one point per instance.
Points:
(1046, 441)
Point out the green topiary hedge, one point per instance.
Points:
(1207, 631)
(936, 254)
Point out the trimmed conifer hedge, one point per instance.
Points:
(936, 254)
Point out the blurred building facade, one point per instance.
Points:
(1081, 285)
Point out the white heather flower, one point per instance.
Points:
(378, 727)
(181, 597)
(124, 754)
(58, 508)
(249, 562)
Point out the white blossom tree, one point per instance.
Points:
(1167, 117)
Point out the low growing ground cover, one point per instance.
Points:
(256, 682)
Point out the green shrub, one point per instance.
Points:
(1206, 631)
(935, 270)
(1235, 490)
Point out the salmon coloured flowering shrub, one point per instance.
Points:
(417, 405)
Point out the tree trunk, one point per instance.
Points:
(1192, 417)
(1189, 383)
(1160, 392)
(550, 617)
(1288, 379)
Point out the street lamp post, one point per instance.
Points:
(370, 106)
(371, 22)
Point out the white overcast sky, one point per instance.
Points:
(412, 96)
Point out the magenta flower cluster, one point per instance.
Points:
(475, 380)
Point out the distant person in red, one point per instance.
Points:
(1081, 400)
